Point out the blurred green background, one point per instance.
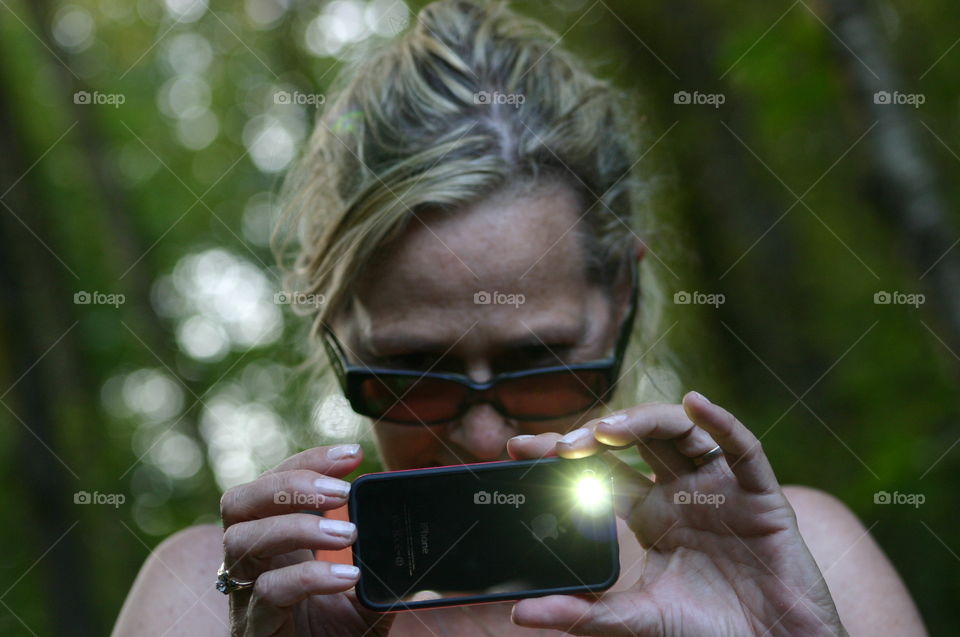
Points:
(146, 363)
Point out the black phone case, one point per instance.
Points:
(364, 545)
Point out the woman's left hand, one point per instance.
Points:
(724, 553)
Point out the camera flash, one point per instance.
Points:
(590, 492)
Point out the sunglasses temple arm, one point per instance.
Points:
(627, 328)
(336, 355)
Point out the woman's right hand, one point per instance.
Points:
(266, 538)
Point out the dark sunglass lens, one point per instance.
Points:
(411, 399)
(552, 395)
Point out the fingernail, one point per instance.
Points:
(575, 436)
(613, 419)
(337, 527)
(332, 487)
(346, 571)
(523, 437)
(701, 397)
(343, 451)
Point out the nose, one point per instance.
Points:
(483, 433)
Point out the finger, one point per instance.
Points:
(630, 487)
(335, 460)
(579, 443)
(676, 456)
(582, 442)
(284, 492)
(667, 463)
(742, 450)
(283, 587)
(248, 545)
(586, 615)
(560, 612)
(664, 434)
(529, 447)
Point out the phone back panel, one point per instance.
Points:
(483, 532)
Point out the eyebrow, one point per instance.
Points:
(393, 344)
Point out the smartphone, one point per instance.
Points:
(485, 532)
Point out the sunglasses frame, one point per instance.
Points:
(351, 377)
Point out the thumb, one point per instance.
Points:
(560, 612)
(585, 615)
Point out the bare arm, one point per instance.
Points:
(174, 593)
(869, 594)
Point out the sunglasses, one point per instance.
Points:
(418, 397)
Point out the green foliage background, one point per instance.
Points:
(166, 199)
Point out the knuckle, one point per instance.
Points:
(277, 484)
(264, 590)
(226, 501)
(232, 543)
(274, 481)
(235, 505)
(754, 451)
(228, 505)
(305, 577)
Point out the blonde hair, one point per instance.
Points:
(474, 97)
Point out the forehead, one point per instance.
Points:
(520, 242)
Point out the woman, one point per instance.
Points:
(465, 205)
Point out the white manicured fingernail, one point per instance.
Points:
(346, 571)
(614, 418)
(337, 527)
(332, 487)
(701, 397)
(575, 436)
(343, 451)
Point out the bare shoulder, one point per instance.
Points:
(869, 594)
(173, 593)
